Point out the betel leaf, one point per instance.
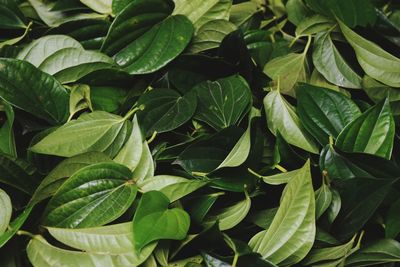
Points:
(210, 35)
(79, 99)
(223, 102)
(50, 184)
(379, 252)
(93, 132)
(201, 12)
(133, 20)
(282, 118)
(70, 64)
(115, 240)
(7, 140)
(10, 16)
(154, 221)
(157, 47)
(375, 61)
(324, 112)
(100, 6)
(330, 63)
(93, 196)
(145, 168)
(231, 216)
(323, 199)
(5, 211)
(292, 231)
(314, 25)
(28, 88)
(297, 11)
(392, 222)
(372, 132)
(42, 48)
(15, 225)
(163, 110)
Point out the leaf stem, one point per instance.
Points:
(153, 136)
(132, 111)
(22, 232)
(279, 167)
(235, 259)
(307, 45)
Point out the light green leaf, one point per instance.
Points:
(231, 216)
(242, 12)
(7, 141)
(158, 182)
(330, 63)
(291, 234)
(223, 102)
(5, 211)
(314, 24)
(157, 47)
(63, 171)
(94, 132)
(375, 61)
(15, 225)
(323, 199)
(203, 11)
(28, 88)
(154, 221)
(79, 99)
(93, 196)
(115, 240)
(282, 118)
(145, 168)
(70, 64)
(280, 178)
(42, 48)
(100, 6)
(210, 35)
(372, 132)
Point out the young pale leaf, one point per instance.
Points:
(231, 216)
(291, 234)
(375, 61)
(154, 221)
(5, 211)
(115, 240)
(131, 152)
(165, 110)
(328, 61)
(203, 11)
(7, 141)
(133, 20)
(223, 102)
(93, 196)
(323, 199)
(280, 178)
(282, 118)
(15, 225)
(210, 35)
(324, 112)
(379, 252)
(392, 223)
(63, 171)
(372, 132)
(287, 70)
(93, 132)
(100, 6)
(37, 51)
(70, 64)
(156, 47)
(145, 168)
(27, 88)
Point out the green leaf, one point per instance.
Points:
(5, 211)
(26, 87)
(314, 24)
(100, 6)
(203, 11)
(154, 221)
(37, 51)
(263, 218)
(335, 206)
(210, 35)
(131, 152)
(282, 118)
(93, 196)
(230, 216)
(79, 99)
(291, 234)
(280, 178)
(392, 222)
(115, 240)
(145, 168)
(93, 132)
(70, 64)
(7, 141)
(164, 110)
(372, 132)
(379, 252)
(134, 19)
(10, 16)
(15, 225)
(52, 182)
(375, 61)
(327, 255)
(287, 70)
(330, 63)
(323, 199)
(324, 112)
(157, 47)
(223, 102)
(297, 11)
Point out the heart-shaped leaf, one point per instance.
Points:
(5, 211)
